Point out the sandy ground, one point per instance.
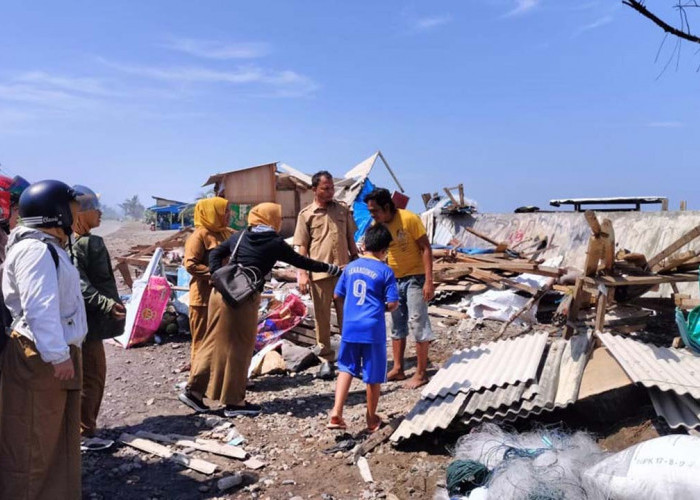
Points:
(289, 437)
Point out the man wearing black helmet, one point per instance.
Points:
(41, 380)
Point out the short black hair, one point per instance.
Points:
(381, 197)
(316, 179)
(377, 238)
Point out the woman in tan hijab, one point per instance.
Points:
(220, 368)
(211, 221)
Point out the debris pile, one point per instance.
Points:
(139, 256)
(610, 278)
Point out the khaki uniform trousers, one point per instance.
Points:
(322, 296)
(94, 377)
(220, 369)
(39, 426)
(198, 328)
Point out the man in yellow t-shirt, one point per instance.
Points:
(411, 259)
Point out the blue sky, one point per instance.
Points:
(520, 100)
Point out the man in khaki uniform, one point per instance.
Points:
(325, 231)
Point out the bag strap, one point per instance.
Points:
(238, 243)
(54, 253)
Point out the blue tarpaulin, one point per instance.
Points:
(468, 251)
(360, 211)
(169, 209)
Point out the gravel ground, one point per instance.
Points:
(289, 437)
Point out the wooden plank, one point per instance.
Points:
(608, 237)
(378, 437)
(460, 269)
(482, 236)
(210, 446)
(602, 373)
(578, 299)
(674, 262)
(593, 222)
(446, 313)
(642, 280)
(159, 450)
(674, 247)
(452, 198)
(686, 303)
(600, 310)
(123, 268)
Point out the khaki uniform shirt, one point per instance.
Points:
(326, 233)
(197, 248)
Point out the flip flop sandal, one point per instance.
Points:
(96, 444)
(336, 423)
(374, 427)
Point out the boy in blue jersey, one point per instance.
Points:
(368, 287)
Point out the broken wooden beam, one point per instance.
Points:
(159, 450)
(483, 236)
(446, 313)
(654, 279)
(674, 247)
(208, 445)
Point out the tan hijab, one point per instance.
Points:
(266, 214)
(210, 213)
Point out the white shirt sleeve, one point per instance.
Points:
(37, 281)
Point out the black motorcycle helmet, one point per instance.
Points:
(47, 204)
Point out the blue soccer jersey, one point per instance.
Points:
(367, 284)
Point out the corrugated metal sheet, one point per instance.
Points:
(557, 383)
(665, 368)
(678, 411)
(430, 414)
(499, 404)
(484, 397)
(501, 397)
(490, 365)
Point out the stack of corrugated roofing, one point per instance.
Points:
(508, 379)
(671, 375)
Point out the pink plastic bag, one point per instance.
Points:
(150, 311)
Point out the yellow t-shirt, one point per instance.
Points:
(404, 254)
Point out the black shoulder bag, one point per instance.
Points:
(235, 282)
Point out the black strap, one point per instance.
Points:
(54, 253)
(234, 257)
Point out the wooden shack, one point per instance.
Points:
(249, 186)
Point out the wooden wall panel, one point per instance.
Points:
(253, 185)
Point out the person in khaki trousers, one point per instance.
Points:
(220, 368)
(105, 311)
(325, 231)
(211, 221)
(41, 379)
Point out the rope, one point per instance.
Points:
(465, 475)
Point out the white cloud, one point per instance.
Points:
(422, 24)
(211, 49)
(275, 83)
(669, 124)
(523, 6)
(92, 86)
(38, 88)
(602, 21)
